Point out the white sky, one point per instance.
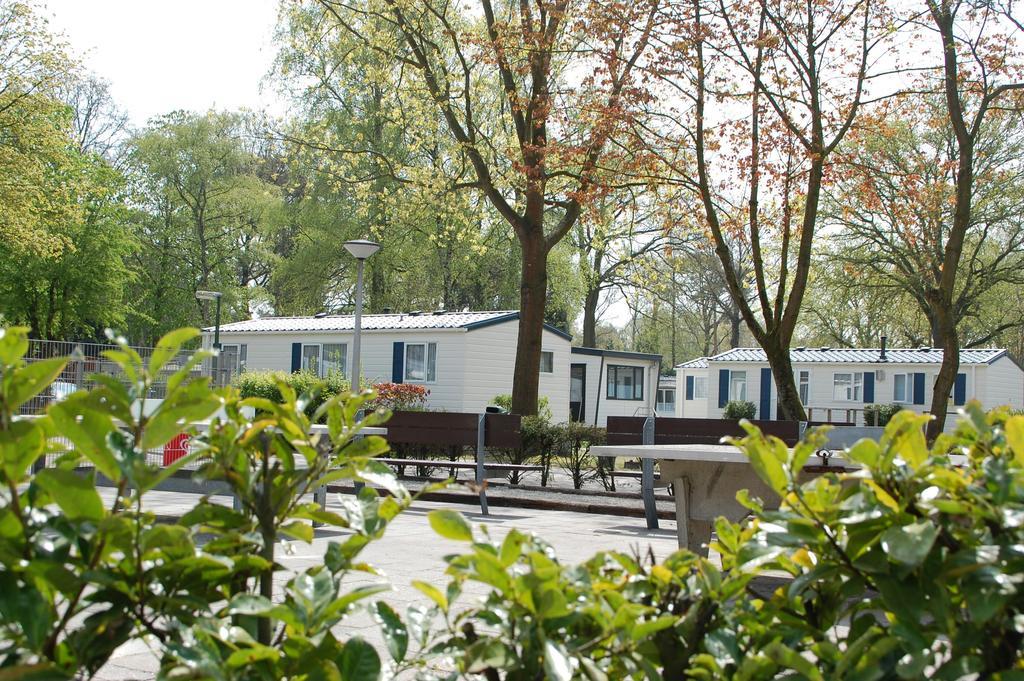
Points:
(160, 56)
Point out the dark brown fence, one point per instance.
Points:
(628, 430)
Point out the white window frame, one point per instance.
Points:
(738, 378)
(661, 401)
(344, 361)
(700, 387)
(908, 388)
(551, 355)
(427, 377)
(854, 390)
(803, 385)
(302, 356)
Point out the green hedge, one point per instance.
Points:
(265, 384)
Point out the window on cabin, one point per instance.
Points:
(547, 362)
(625, 383)
(334, 359)
(847, 386)
(421, 362)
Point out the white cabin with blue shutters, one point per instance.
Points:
(464, 359)
(836, 384)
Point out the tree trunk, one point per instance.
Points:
(590, 317)
(950, 344)
(782, 371)
(533, 292)
(734, 328)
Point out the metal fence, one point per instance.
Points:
(86, 360)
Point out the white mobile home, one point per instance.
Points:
(464, 359)
(607, 383)
(836, 384)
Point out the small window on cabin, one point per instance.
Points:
(335, 359)
(547, 362)
(700, 388)
(311, 358)
(421, 362)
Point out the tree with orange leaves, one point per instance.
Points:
(766, 92)
(535, 92)
(981, 72)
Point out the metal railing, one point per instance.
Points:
(86, 360)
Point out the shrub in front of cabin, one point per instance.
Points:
(880, 414)
(738, 409)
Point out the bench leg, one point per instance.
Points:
(647, 491)
(694, 535)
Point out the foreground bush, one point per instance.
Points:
(911, 567)
(81, 574)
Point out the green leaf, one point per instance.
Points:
(29, 381)
(359, 661)
(396, 636)
(557, 664)
(250, 604)
(13, 344)
(20, 446)
(767, 463)
(299, 530)
(88, 430)
(909, 544)
(451, 525)
(433, 593)
(168, 346)
(249, 655)
(75, 494)
(1015, 437)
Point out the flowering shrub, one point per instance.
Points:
(399, 396)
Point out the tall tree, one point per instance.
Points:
(981, 70)
(38, 183)
(208, 219)
(798, 71)
(557, 76)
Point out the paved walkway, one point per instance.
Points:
(411, 551)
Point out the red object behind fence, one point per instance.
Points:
(176, 448)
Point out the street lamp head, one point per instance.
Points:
(208, 295)
(361, 249)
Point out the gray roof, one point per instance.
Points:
(699, 363)
(376, 322)
(861, 355)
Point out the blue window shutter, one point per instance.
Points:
(960, 390)
(766, 394)
(869, 387)
(918, 388)
(689, 387)
(398, 362)
(296, 357)
(723, 387)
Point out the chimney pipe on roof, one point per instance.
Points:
(881, 355)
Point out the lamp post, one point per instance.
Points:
(214, 295)
(361, 249)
